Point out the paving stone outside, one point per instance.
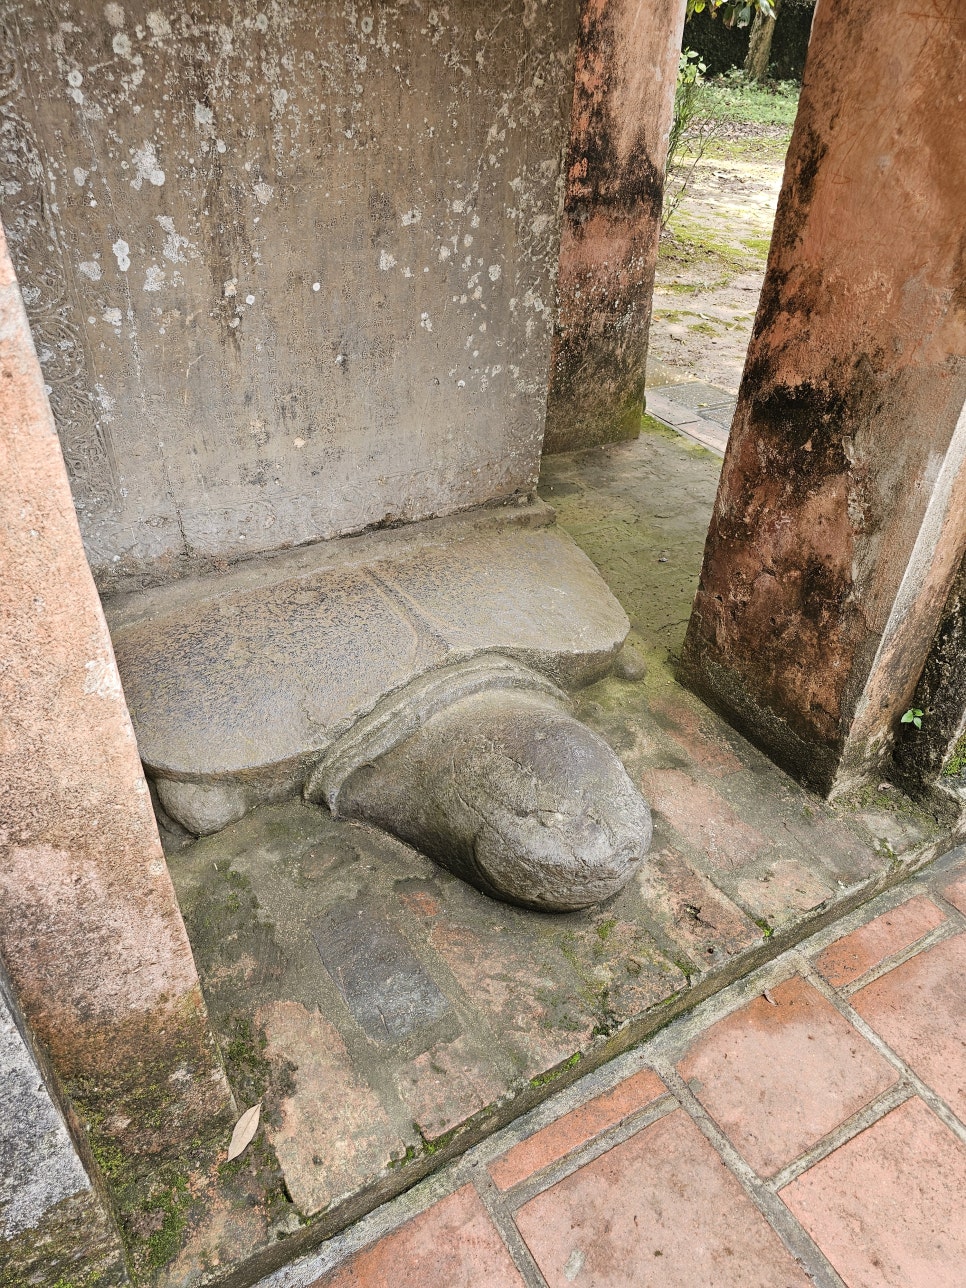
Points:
(855, 955)
(749, 1071)
(697, 411)
(695, 394)
(616, 1182)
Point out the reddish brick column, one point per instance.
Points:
(90, 929)
(841, 516)
(626, 65)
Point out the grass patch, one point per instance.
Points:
(754, 150)
(758, 246)
(732, 100)
(691, 242)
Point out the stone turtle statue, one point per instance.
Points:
(413, 680)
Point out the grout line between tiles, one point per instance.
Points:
(922, 1089)
(789, 1230)
(935, 936)
(661, 1051)
(950, 909)
(364, 1233)
(495, 1203)
(883, 1104)
(517, 1195)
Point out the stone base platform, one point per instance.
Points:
(387, 1016)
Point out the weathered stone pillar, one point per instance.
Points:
(841, 515)
(90, 930)
(626, 67)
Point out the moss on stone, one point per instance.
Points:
(544, 1079)
(163, 1199)
(868, 796)
(649, 425)
(74, 1246)
(606, 928)
(410, 1154)
(956, 764)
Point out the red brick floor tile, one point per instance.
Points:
(920, 1010)
(661, 1209)
(855, 954)
(886, 1208)
(777, 1078)
(576, 1128)
(955, 892)
(451, 1245)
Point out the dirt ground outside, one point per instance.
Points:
(715, 244)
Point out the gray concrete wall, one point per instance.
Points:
(290, 267)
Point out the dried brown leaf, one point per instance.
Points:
(245, 1129)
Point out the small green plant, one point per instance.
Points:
(913, 716)
(687, 96)
(691, 130)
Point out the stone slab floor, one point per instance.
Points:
(388, 1017)
(806, 1125)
